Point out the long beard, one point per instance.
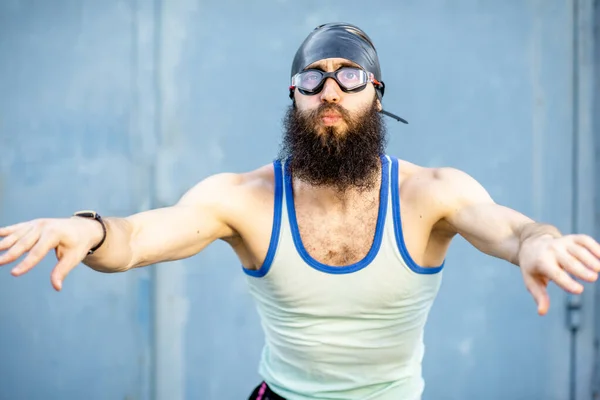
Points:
(322, 156)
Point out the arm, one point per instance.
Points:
(171, 233)
(182, 230)
(541, 250)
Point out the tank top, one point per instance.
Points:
(343, 332)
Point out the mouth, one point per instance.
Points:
(330, 118)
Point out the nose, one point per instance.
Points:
(331, 91)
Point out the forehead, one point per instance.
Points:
(331, 64)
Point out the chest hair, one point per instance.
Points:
(339, 238)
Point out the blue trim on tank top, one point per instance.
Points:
(375, 246)
(398, 228)
(278, 199)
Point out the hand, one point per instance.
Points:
(70, 238)
(544, 258)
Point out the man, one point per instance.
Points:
(341, 244)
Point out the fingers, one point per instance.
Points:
(24, 242)
(561, 278)
(537, 287)
(585, 257)
(68, 259)
(9, 230)
(46, 242)
(66, 264)
(11, 239)
(590, 244)
(575, 267)
(37, 239)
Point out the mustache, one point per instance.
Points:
(322, 109)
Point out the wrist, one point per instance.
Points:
(97, 229)
(98, 235)
(538, 231)
(534, 234)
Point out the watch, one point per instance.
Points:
(93, 215)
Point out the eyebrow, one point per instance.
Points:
(336, 65)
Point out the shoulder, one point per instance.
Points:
(443, 188)
(413, 174)
(230, 188)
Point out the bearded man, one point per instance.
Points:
(342, 244)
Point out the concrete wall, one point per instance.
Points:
(121, 106)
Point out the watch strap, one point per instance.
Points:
(93, 215)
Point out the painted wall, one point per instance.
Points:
(121, 106)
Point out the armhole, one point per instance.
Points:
(398, 233)
(278, 198)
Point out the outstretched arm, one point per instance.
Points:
(180, 231)
(541, 250)
(170, 233)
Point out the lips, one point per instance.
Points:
(330, 118)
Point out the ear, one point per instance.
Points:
(379, 106)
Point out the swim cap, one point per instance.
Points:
(341, 40)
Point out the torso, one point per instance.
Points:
(324, 233)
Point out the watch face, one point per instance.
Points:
(86, 214)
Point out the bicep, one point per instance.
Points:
(182, 230)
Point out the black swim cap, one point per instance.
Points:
(341, 40)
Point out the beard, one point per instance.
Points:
(340, 158)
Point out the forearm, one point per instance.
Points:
(500, 231)
(115, 254)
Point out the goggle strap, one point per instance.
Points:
(397, 118)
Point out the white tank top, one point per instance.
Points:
(349, 332)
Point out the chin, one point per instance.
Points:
(337, 130)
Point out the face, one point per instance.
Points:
(332, 102)
(334, 138)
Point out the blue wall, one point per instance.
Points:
(121, 106)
